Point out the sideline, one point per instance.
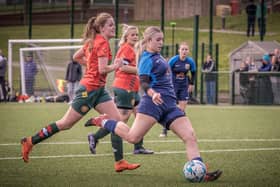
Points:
(154, 141)
(156, 153)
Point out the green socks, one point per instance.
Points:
(45, 133)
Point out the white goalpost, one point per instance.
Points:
(46, 68)
(51, 56)
(13, 53)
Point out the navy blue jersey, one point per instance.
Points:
(155, 66)
(180, 69)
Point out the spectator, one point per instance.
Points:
(73, 76)
(261, 23)
(3, 68)
(210, 79)
(251, 9)
(244, 81)
(266, 63)
(30, 71)
(275, 61)
(275, 77)
(252, 87)
(265, 95)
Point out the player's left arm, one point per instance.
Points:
(192, 70)
(79, 56)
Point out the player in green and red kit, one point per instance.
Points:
(91, 93)
(125, 86)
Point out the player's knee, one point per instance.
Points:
(133, 139)
(63, 126)
(190, 136)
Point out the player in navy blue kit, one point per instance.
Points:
(180, 66)
(158, 103)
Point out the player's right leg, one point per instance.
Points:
(68, 120)
(183, 128)
(111, 110)
(141, 125)
(93, 139)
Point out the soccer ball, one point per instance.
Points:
(194, 171)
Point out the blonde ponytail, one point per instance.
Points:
(125, 31)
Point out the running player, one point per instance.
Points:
(158, 104)
(183, 84)
(91, 93)
(125, 87)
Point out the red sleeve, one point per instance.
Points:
(103, 49)
(126, 52)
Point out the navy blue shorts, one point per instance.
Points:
(165, 113)
(182, 94)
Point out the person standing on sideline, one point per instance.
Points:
(73, 76)
(180, 65)
(264, 87)
(251, 9)
(275, 78)
(3, 68)
(208, 69)
(30, 71)
(158, 104)
(125, 87)
(91, 92)
(244, 80)
(261, 25)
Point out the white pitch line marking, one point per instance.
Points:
(155, 141)
(156, 153)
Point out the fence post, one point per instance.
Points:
(201, 73)
(173, 24)
(117, 18)
(176, 49)
(233, 88)
(195, 49)
(217, 70)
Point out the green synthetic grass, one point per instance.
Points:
(242, 141)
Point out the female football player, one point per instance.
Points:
(183, 84)
(158, 104)
(91, 93)
(125, 87)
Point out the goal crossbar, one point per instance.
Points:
(22, 50)
(27, 41)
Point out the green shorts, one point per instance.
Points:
(84, 100)
(126, 99)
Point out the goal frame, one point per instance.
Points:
(21, 57)
(30, 41)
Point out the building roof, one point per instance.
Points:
(262, 47)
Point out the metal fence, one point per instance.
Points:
(256, 88)
(245, 88)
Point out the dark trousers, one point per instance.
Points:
(251, 26)
(3, 87)
(262, 28)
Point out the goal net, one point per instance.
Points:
(51, 65)
(51, 60)
(14, 70)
